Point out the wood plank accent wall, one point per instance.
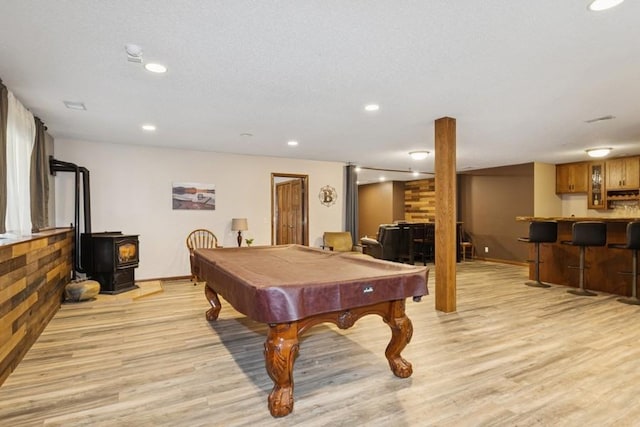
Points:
(420, 200)
(33, 274)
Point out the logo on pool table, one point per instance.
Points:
(367, 289)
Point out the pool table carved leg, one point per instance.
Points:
(212, 297)
(401, 332)
(280, 352)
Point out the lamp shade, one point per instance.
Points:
(239, 224)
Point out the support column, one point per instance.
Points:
(446, 248)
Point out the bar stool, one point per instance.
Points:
(583, 234)
(633, 243)
(540, 232)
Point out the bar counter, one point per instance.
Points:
(603, 264)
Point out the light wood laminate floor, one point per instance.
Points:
(511, 355)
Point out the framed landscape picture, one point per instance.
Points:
(193, 195)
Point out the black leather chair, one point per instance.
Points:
(583, 234)
(633, 244)
(385, 245)
(540, 232)
(424, 240)
(405, 242)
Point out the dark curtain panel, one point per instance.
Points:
(351, 202)
(4, 106)
(39, 180)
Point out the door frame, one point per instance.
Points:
(305, 205)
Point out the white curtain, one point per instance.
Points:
(21, 131)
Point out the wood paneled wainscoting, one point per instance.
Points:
(33, 274)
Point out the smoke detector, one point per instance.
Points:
(134, 53)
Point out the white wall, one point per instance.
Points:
(131, 192)
(546, 203)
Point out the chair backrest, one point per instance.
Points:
(589, 233)
(405, 242)
(201, 238)
(543, 231)
(389, 238)
(633, 235)
(463, 236)
(339, 241)
(430, 232)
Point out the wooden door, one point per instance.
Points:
(283, 196)
(289, 215)
(571, 178)
(614, 175)
(632, 173)
(562, 179)
(295, 212)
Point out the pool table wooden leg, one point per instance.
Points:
(212, 297)
(280, 352)
(401, 332)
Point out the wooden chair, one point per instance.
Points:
(466, 245)
(199, 239)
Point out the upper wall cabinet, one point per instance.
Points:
(572, 178)
(623, 174)
(597, 196)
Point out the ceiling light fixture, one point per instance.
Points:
(382, 179)
(155, 68)
(419, 155)
(292, 143)
(416, 173)
(598, 5)
(358, 169)
(148, 128)
(371, 107)
(598, 152)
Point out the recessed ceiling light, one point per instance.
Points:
(292, 143)
(371, 107)
(73, 105)
(382, 178)
(419, 155)
(598, 152)
(416, 173)
(155, 68)
(358, 168)
(598, 5)
(148, 128)
(246, 135)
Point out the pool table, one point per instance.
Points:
(292, 288)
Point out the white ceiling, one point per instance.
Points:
(520, 77)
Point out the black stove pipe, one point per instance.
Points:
(60, 166)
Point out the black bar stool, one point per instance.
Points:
(583, 234)
(540, 232)
(633, 243)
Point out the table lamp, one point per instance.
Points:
(239, 225)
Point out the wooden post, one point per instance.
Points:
(446, 248)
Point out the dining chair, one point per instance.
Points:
(200, 238)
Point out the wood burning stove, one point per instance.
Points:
(110, 258)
